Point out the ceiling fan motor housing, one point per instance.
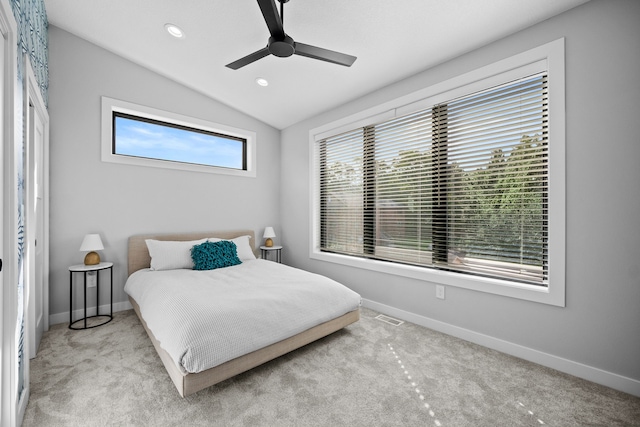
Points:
(282, 48)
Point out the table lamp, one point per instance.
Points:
(91, 243)
(268, 234)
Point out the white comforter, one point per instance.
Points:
(205, 318)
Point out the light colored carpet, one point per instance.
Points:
(369, 374)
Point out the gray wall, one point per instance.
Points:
(600, 325)
(89, 196)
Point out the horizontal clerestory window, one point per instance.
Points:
(146, 138)
(143, 136)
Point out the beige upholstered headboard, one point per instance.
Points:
(139, 258)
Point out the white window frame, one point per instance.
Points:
(548, 57)
(110, 105)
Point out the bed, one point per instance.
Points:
(174, 304)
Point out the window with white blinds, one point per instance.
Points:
(460, 186)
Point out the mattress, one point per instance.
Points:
(205, 318)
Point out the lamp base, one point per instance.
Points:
(268, 243)
(92, 258)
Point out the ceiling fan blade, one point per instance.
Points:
(252, 57)
(324, 54)
(272, 18)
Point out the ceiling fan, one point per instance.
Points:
(280, 44)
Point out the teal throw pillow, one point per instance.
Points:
(212, 255)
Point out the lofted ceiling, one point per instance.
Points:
(392, 40)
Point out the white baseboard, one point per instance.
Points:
(596, 375)
(57, 318)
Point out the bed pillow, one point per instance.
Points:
(171, 255)
(212, 255)
(243, 244)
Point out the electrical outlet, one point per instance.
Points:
(91, 279)
(440, 291)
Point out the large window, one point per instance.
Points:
(459, 186)
(139, 135)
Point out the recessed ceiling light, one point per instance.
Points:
(174, 30)
(262, 81)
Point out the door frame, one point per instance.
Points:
(33, 98)
(9, 308)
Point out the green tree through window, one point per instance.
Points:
(461, 186)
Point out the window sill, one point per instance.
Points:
(539, 294)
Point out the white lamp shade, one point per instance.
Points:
(268, 233)
(91, 242)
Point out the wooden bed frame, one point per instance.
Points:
(188, 383)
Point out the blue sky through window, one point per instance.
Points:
(166, 142)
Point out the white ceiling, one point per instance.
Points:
(392, 40)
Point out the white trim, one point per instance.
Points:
(58, 318)
(8, 320)
(109, 105)
(589, 373)
(548, 57)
